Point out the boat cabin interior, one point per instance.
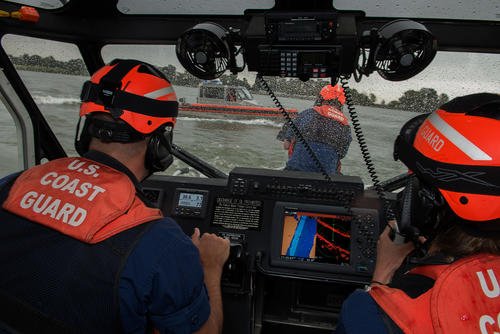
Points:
(213, 93)
(227, 177)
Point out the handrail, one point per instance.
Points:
(200, 165)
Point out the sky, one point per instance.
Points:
(451, 73)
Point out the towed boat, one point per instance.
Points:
(216, 99)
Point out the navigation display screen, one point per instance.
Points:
(316, 237)
(190, 200)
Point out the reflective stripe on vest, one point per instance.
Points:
(465, 299)
(80, 198)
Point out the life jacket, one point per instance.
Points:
(332, 113)
(80, 198)
(465, 298)
(67, 229)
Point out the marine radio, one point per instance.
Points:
(316, 45)
(283, 28)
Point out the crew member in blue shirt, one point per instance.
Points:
(81, 247)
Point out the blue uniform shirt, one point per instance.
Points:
(361, 314)
(162, 282)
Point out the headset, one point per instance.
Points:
(418, 204)
(421, 205)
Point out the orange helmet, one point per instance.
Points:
(456, 150)
(330, 92)
(133, 91)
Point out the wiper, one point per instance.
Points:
(200, 165)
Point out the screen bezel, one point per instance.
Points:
(277, 237)
(190, 211)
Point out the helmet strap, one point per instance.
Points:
(117, 132)
(106, 131)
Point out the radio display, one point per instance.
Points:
(299, 26)
(316, 237)
(190, 200)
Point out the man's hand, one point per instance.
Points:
(214, 250)
(286, 144)
(390, 256)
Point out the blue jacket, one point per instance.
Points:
(328, 139)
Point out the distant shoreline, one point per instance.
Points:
(422, 101)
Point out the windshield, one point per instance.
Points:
(473, 10)
(244, 94)
(54, 73)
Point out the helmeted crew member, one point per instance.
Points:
(326, 130)
(453, 201)
(82, 250)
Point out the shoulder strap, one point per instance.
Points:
(8, 180)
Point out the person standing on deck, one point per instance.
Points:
(325, 128)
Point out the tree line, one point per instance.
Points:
(423, 100)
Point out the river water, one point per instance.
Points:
(223, 142)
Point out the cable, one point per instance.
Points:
(356, 125)
(300, 137)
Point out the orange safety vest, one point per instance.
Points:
(465, 298)
(332, 113)
(78, 197)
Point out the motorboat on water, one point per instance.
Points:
(233, 183)
(218, 100)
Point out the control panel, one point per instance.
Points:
(295, 62)
(292, 185)
(299, 244)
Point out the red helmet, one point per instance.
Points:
(133, 91)
(330, 92)
(456, 150)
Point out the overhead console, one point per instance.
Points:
(302, 44)
(310, 42)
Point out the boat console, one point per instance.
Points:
(299, 244)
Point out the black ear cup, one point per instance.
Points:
(159, 152)
(408, 205)
(82, 139)
(407, 133)
(417, 209)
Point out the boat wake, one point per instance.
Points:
(47, 99)
(260, 121)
